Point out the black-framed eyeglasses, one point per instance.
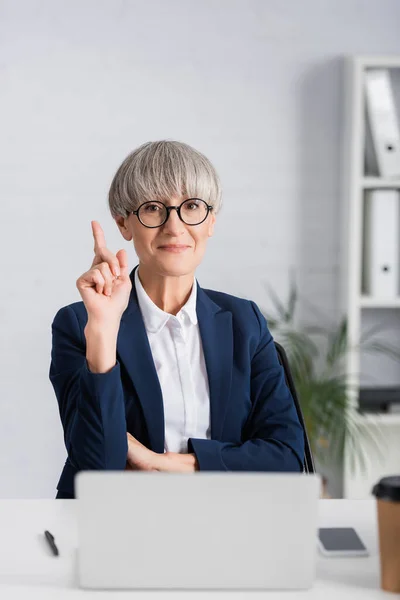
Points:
(154, 213)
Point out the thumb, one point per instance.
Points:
(122, 257)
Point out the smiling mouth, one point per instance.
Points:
(173, 248)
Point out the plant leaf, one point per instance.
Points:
(279, 307)
(292, 301)
(378, 347)
(338, 345)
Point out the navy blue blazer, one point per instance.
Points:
(254, 424)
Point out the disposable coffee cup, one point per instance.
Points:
(387, 493)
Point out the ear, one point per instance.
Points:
(211, 225)
(122, 226)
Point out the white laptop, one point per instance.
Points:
(146, 530)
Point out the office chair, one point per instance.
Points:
(308, 458)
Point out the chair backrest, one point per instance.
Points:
(308, 458)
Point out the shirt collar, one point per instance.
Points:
(154, 318)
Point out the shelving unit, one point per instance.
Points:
(381, 419)
(370, 183)
(358, 307)
(370, 302)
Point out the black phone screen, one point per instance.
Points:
(340, 538)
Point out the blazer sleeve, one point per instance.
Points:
(91, 405)
(273, 436)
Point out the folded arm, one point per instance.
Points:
(273, 438)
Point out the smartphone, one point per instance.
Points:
(340, 541)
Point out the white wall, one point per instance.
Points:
(254, 84)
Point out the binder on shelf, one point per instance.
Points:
(382, 125)
(381, 268)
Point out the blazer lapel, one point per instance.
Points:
(217, 339)
(134, 350)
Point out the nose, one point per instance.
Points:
(174, 225)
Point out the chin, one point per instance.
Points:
(173, 267)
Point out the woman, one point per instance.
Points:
(151, 371)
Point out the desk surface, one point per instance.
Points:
(28, 569)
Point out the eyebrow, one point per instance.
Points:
(171, 203)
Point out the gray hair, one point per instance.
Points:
(160, 170)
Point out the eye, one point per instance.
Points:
(192, 205)
(152, 208)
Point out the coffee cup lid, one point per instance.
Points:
(388, 488)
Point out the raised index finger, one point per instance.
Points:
(99, 239)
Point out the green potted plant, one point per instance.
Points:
(316, 355)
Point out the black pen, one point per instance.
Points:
(50, 539)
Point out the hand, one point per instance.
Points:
(139, 457)
(173, 462)
(106, 287)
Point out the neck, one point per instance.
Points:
(169, 293)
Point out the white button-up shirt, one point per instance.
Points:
(178, 356)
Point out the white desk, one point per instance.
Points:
(28, 569)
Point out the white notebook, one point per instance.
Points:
(383, 121)
(381, 251)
